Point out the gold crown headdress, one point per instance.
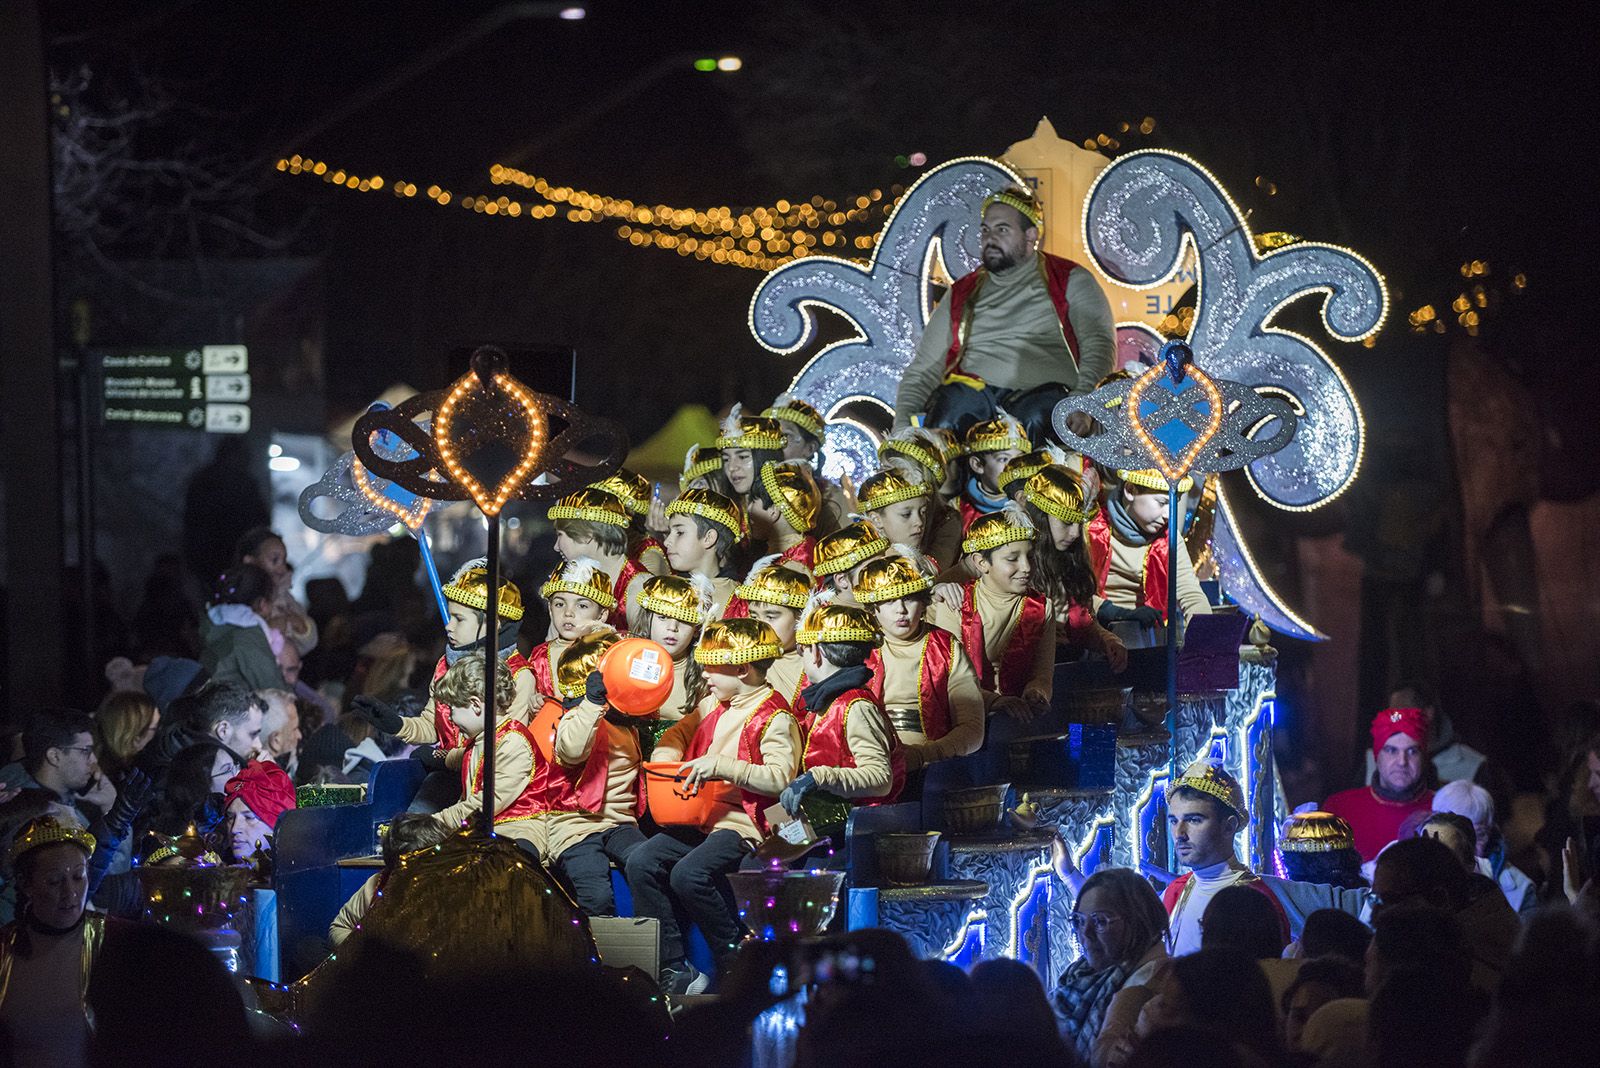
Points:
(1315, 832)
(919, 445)
(1026, 203)
(737, 641)
(686, 599)
(582, 577)
(633, 490)
(699, 462)
(1153, 479)
(770, 582)
(1210, 779)
(713, 506)
(798, 412)
(825, 621)
(1000, 434)
(470, 586)
(1024, 467)
(891, 578)
(794, 492)
(847, 547)
(740, 431)
(1057, 491)
(994, 529)
(48, 830)
(888, 487)
(582, 657)
(591, 504)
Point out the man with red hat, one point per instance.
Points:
(1376, 811)
(256, 797)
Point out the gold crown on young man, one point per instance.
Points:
(1210, 779)
(687, 600)
(633, 490)
(888, 487)
(48, 830)
(712, 506)
(889, 579)
(994, 529)
(794, 492)
(770, 582)
(470, 586)
(847, 547)
(999, 434)
(1057, 491)
(1315, 832)
(740, 431)
(1023, 200)
(920, 445)
(737, 641)
(1150, 478)
(583, 656)
(828, 622)
(582, 577)
(798, 412)
(699, 462)
(1021, 468)
(593, 504)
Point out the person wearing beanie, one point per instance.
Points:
(256, 797)
(1376, 811)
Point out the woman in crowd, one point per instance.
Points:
(125, 723)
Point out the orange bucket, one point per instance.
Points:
(676, 803)
(638, 676)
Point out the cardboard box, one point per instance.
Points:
(628, 940)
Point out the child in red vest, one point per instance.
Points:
(929, 455)
(851, 752)
(990, 445)
(1053, 499)
(1005, 625)
(593, 524)
(920, 673)
(776, 594)
(1128, 546)
(703, 529)
(673, 611)
(897, 506)
(467, 594)
(578, 593)
(525, 786)
(749, 741)
(598, 748)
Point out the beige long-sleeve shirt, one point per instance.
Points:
(944, 534)
(902, 676)
(577, 733)
(868, 734)
(420, 729)
(787, 675)
(1015, 340)
(780, 756)
(1125, 579)
(513, 770)
(1000, 613)
(350, 914)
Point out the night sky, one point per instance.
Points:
(1421, 136)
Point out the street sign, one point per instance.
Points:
(199, 388)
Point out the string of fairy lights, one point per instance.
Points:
(763, 237)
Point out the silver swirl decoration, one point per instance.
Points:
(1140, 216)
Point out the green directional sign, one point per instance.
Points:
(203, 388)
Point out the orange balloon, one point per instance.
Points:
(638, 676)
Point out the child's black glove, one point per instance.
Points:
(380, 715)
(429, 757)
(594, 688)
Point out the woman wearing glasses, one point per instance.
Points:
(1121, 928)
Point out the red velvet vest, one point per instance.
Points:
(802, 553)
(449, 734)
(544, 679)
(829, 744)
(1055, 271)
(589, 780)
(1173, 895)
(933, 681)
(750, 736)
(1016, 665)
(547, 789)
(736, 608)
(1155, 563)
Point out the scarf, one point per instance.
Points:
(1081, 998)
(508, 642)
(1122, 524)
(986, 503)
(819, 695)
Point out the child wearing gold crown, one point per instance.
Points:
(776, 594)
(990, 445)
(920, 673)
(841, 555)
(636, 494)
(749, 740)
(1005, 625)
(783, 508)
(703, 529)
(593, 523)
(1053, 498)
(747, 443)
(898, 506)
(578, 594)
(1128, 546)
(926, 455)
(467, 595)
(674, 610)
(851, 750)
(804, 430)
(599, 750)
